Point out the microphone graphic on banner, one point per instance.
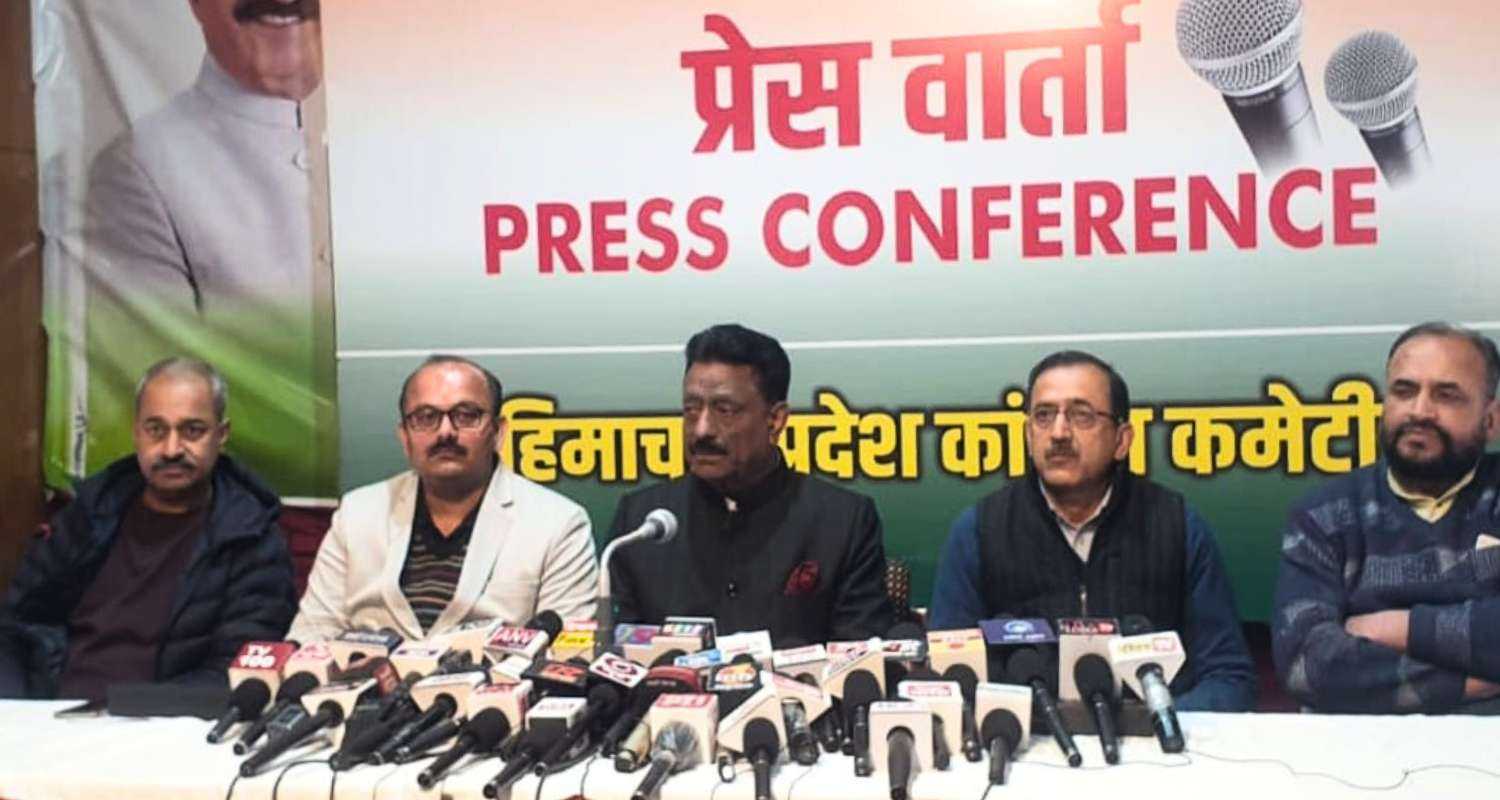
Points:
(1250, 50)
(1372, 80)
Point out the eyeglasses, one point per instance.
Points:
(1080, 417)
(426, 419)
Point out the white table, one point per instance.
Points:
(42, 758)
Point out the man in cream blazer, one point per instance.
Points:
(458, 538)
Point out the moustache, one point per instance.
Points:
(1064, 450)
(1407, 427)
(707, 447)
(251, 10)
(168, 463)
(448, 446)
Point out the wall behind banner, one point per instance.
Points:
(184, 214)
(542, 189)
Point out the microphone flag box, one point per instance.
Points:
(617, 670)
(813, 698)
(808, 660)
(263, 660)
(765, 704)
(945, 700)
(635, 641)
(685, 636)
(866, 656)
(469, 636)
(511, 699)
(571, 643)
(352, 644)
(965, 646)
(698, 711)
(706, 659)
(1077, 637)
(1016, 632)
(707, 622)
(886, 716)
(756, 643)
(509, 640)
(512, 670)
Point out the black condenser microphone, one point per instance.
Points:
(1250, 51)
(762, 744)
(480, 734)
(1028, 667)
(1372, 80)
(1096, 683)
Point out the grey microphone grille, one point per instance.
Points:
(1372, 80)
(1240, 46)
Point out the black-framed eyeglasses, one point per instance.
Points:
(1081, 416)
(464, 416)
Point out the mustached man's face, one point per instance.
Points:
(1067, 458)
(729, 429)
(273, 47)
(449, 453)
(1438, 412)
(177, 436)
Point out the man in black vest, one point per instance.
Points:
(1081, 536)
(760, 546)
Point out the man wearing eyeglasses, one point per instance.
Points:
(459, 537)
(1081, 536)
(161, 567)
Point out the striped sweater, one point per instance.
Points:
(1353, 547)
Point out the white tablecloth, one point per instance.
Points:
(1229, 755)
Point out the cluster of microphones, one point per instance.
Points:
(543, 696)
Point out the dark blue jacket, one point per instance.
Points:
(237, 587)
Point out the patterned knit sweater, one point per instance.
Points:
(1353, 547)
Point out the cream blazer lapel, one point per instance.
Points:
(398, 541)
(491, 528)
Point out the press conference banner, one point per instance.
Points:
(184, 207)
(919, 201)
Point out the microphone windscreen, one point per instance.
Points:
(488, 727)
(1093, 675)
(294, 687)
(1239, 46)
(665, 528)
(1135, 624)
(1027, 664)
(860, 689)
(966, 679)
(606, 697)
(678, 739)
(250, 697)
(1371, 80)
(547, 621)
(1003, 724)
(760, 734)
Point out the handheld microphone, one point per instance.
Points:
(603, 703)
(762, 743)
(481, 734)
(1371, 79)
(945, 701)
(1028, 667)
(306, 669)
(1250, 50)
(659, 680)
(546, 722)
(439, 697)
(1005, 714)
(631, 753)
(904, 648)
(901, 737)
(860, 691)
(329, 706)
(1148, 663)
(675, 749)
(426, 740)
(510, 699)
(762, 706)
(254, 675)
(659, 527)
(959, 655)
(1096, 682)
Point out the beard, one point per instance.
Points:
(1452, 463)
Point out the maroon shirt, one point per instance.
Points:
(115, 632)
